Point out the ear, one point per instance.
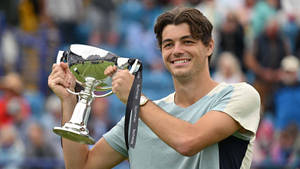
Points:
(210, 47)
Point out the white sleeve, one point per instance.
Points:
(243, 105)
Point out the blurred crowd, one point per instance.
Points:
(257, 41)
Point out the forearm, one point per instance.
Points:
(184, 137)
(75, 154)
(173, 131)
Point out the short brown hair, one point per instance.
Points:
(200, 26)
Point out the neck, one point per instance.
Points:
(190, 91)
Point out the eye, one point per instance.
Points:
(188, 42)
(167, 45)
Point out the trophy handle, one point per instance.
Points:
(70, 91)
(122, 63)
(103, 95)
(60, 54)
(135, 67)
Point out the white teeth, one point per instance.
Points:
(180, 61)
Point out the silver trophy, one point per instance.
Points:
(87, 64)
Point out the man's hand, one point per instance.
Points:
(122, 81)
(60, 79)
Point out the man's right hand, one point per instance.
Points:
(60, 79)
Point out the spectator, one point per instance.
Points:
(100, 15)
(232, 38)
(244, 15)
(212, 10)
(67, 15)
(263, 142)
(264, 61)
(39, 152)
(263, 11)
(228, 69)
(13, 105)
(11, 148)
(50, 119)
(290, 29)
(297, 45)
(287, 98)
(283, 151)
(10, 50)
(29, 14)
(245, 12)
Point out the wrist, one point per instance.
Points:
(67, 107)
(69, 100)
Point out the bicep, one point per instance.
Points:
(103, 156)
(215, 126)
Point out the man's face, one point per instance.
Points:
(183, 55)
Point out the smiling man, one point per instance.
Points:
(202, 125)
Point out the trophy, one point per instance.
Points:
(87, 64)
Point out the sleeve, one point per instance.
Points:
(115, 138)
(242, 103)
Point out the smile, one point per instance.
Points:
(180, 61)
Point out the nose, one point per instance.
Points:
(178, 50)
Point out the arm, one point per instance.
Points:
(101, 156)
(242, 115)
(186, 138)
(76, 155)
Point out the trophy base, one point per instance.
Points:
(74, 135)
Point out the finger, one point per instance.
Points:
(115, 69)
(121, 74)
(60, 73)
(115, 87)
(114, 84)
(57, 68)
(110, 70)
(58, 81)
(70, 79)
(107, 71)
(57, 75)
(61, 68)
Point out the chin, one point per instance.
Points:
(181, 74)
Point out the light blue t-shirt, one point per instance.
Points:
(240, 101)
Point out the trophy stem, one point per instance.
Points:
(76, 128)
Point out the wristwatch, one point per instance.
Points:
(143, 100)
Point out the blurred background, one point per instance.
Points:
(257, 41)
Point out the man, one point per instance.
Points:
(202, 124)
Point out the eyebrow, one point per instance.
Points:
(181, 38)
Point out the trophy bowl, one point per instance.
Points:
(87, 64)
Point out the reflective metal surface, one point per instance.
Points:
(86, 61)
(87, 64)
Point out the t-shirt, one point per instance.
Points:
(240, 101)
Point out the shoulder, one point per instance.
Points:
(245, 90)
(242, 88)
(240, 94)
(235, 94)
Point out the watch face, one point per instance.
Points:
(143, 100)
